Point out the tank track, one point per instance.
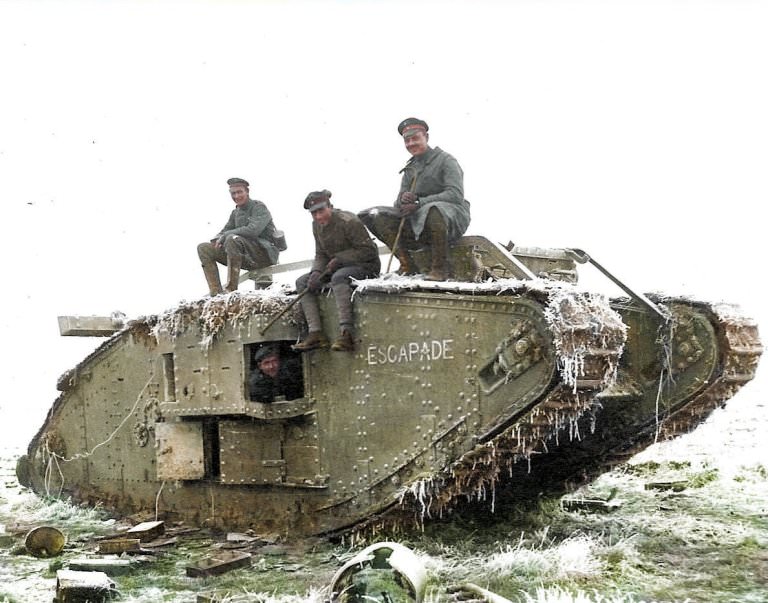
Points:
(740, 350)
(582, 462)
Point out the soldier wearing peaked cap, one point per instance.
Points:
(247, 240)
(343, 251)
(410, 123)
(430, 205)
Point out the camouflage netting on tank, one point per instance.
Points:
(589, 339)
(211, 314)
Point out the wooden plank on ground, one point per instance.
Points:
(110, 566)
(119, 545)
(147, 530)
(219, 563)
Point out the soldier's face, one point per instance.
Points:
(416, 143)
(239, 195)
(323, 215)
(269, 366)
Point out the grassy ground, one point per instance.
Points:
(685, 521)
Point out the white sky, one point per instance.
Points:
(637, 131)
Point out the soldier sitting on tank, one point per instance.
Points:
(247, 240)
(275, 375)
(343, 250)
(430, 211)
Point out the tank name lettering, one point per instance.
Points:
(413, 351)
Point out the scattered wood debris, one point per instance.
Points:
(119, 545)
(111, 567)
(81, 587)
(160, 542)
(147, 530)
(591, 505)
(675, 486)
(219, 563)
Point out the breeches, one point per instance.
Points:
(252, 255)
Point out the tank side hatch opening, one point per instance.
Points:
(275, 372)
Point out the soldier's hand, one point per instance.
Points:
(332, 266)
(314, 284)
(408, 197)
(406, 209)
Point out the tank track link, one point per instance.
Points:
(740, 349)
(578, 463)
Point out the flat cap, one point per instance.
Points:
(237, 182)
(317, 200)
(264, 352)
(412, 124)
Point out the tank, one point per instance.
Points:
(509, 381)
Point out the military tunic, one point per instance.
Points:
(345, 239)
(440, 184)
(253, 222)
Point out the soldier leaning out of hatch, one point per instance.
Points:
(430, 207)
(247, 240)
(275, 374)
(343, 250)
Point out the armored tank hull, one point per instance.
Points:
(456, 390)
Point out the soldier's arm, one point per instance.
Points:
(406, 183)
(227, 227)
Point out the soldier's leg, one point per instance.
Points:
(436, 229)
(382, 225)
(255, 257)
(386, 228)
(258, 258)
(235, 248)
(315, 338)
(209, 255)
(342, 292)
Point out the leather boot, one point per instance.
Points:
(344, 342)
(211, 272)
(314, 340)
(407, 265)
(233, 275)
(439, 248)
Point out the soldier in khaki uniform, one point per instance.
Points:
(343, 250)
(430, 205)
(247, 240)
